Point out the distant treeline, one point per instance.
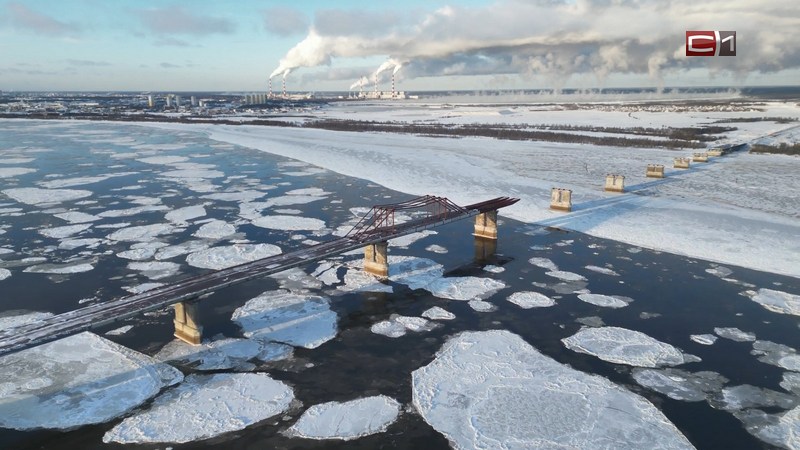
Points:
(783, 148)
(757, 119)
(514, 132)
(683, 133)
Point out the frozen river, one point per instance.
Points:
(535, 346)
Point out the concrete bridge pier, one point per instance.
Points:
(485, 249)
(486, 225)
(187, 323)
(376, 260)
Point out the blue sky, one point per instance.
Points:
(324, 45)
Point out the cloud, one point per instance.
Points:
(178, 20)
(283, 21)
(553, 40)
(167, 65)
(23, 17)
(86, 63)
(171, 42)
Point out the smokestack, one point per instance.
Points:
(361, 87)
(270, 88)
(393, 91)
(284, 87)
(376, 85)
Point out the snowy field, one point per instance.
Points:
(741, 209)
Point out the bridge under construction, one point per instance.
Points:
(372, 232)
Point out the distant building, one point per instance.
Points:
(177, 101)
(194, 100)
(169, 100)
(150, 101)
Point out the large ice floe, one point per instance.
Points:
(289, 223)
(82, 379)
(141, 233)
(782, 430)
(347, 420)
(623, 346)
(491, 389)
(37, 196)
(222, 354)
(776, 301)
(216, 229)
(223, 257)
(289, 318)
(204, 406)
(397, 326)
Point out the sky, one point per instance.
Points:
(317, 45)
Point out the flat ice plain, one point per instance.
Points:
(737, 209)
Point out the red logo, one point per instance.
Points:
(710, 43)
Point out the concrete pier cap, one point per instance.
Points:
(561, 199)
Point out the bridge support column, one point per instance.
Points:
(484, 248)
(187, 325)
(486, 225)
(375, 260)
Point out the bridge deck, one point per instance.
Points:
(102, 314)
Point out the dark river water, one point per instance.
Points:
(674, 296)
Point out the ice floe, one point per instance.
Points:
(37, 196)
(494, 269)
(397, 326)
(193, 173)
(735, 334)
(72, 244)
(77, 217)
(78, 181)
(62, 232)
(492, 389)
(737, 398)
(216, 229)
(566, 276)
(464, 288)
(228, 256)
(623, 346)
(544, 263)
(139, 288)
(18, 318)
(437, 313)
(603, 270)
(606, 301)
(285, 317)
(679, 384)
(141, 233)
(782, 430)
(405, 241)
(704, 339)
(60, 268)
(530, 299)
(183, 248)
(155, 270)
(4, 273)
(185, 214)
(142, 251)
(222, 354)
(482, 306)
(346, 420)
(778, 355)
(8, 172)
(82, 379)
(776, 301)
(204, 406)
(163, 160)
(435, 248)
(289, 223)
(119, 331)
(719, 271)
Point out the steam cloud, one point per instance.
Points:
(555, 39)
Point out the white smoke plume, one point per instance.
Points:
(554, 40)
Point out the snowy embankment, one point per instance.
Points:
(727, 210)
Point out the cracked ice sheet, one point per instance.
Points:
(183, 215)
(82, 379)
(223, 257)
(491, 389)
(679, 384)
(397, 326)
(735, 334)
(782, 430)
(204, 406)
(348, 420)
(216, 229)
(285, 317)
(623, 346)
(530, 299)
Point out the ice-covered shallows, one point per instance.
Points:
(491, 389)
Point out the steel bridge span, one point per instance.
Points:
(375, 228)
